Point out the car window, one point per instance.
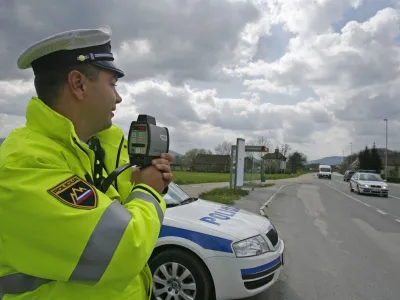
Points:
(370, 177)
(175, 194)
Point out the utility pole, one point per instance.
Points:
(386, 152)
(351, 153)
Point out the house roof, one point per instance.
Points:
(274, 155)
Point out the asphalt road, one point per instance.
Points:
(339, 245)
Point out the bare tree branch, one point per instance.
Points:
(224, 148)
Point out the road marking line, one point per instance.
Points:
(381, 212)
(262, 209)
(394, 197)
(359, 201)
(342, 182)
(397, 220)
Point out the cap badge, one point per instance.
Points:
(82, 57)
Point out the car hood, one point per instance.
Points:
(226, 220)
(381, 183)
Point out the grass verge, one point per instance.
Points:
(224, 195)
(185, 177)
(259, 185)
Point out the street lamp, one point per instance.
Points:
(351, 153)
(386, 152)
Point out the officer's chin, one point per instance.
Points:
(105, 127)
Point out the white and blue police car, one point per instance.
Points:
(210, 251)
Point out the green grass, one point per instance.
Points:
(186, 177)
(224, 195)
(256, 184)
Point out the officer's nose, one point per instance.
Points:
(118, 97)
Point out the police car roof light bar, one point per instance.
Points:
(367, 171)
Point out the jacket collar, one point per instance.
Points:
(111, 136)
(43, 119)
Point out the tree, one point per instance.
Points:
(224, 148)
(285, 149)
(376, 161)
(297, 161)
(190, 155)
(364, 158)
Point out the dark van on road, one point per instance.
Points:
(347, 176)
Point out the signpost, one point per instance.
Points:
(239, 169)
(237, 162)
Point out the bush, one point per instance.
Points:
(393, 179)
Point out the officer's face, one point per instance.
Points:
(103, 100)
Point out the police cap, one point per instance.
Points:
(71, 48)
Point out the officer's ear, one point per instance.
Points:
(77, 84)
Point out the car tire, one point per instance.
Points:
(180, 261)
(351, 189)
(385, 196)
(358, 190)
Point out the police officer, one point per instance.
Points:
(60, 236)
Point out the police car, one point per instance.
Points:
(368, 182)
(210, 251)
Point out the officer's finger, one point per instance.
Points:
(167, 156)
(167, 176)
(160, 161)
(163, 168)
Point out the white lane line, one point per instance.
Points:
(262, 209)
(342, 182)
(381, 212)
(397, 220)
(359, 201)
(394, 197)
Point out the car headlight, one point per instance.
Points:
(253, 246)
(384, 187)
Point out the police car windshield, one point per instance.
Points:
(370, 177)
(175, 195)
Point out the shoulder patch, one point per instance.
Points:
(76, 193)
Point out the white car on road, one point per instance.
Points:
(210, 251)
(364, 182)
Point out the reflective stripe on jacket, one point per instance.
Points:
(61, 238)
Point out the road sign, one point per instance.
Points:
(254, 148)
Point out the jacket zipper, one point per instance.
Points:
(87, 176)
(117, 161)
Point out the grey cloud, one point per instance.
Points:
(189, 39)
(168, 109)
(363, 107)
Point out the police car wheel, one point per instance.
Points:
(178, 275)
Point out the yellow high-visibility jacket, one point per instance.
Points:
(60, 237)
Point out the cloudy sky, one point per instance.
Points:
(316, 74)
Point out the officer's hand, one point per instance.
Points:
(157, 176)
(149, 176)
(163, 164)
